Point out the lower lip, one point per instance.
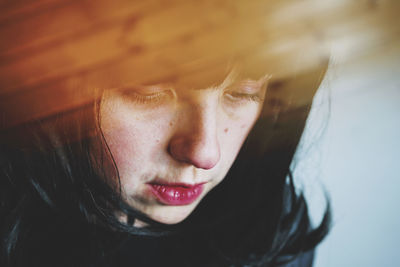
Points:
(176, 194)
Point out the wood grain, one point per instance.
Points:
(56, 55)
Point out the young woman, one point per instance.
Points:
(185, 164)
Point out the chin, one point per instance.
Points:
(171, 214)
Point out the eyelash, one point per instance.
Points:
(232, 96)
(146, 99)
(239, 97)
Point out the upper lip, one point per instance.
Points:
(181, 184)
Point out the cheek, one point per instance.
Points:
(124, 146)
(133, 141)
(234, 134)
(132, 145)
(233, 139)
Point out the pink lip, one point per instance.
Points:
(176, 194)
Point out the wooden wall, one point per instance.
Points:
(55, 56)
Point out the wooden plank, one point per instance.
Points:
(107, 45)
(21, 9)
(76, 52)
(61, 57)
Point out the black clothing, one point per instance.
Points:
(151, 253)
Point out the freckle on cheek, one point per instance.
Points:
(243, 126)
(170, 124)
(226, 130)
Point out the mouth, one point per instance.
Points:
(176, 194)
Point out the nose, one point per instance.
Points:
(196, 142)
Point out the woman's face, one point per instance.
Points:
(173, 145)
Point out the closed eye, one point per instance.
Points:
(246, 92)
(148, 98)
(141, 96)
(238, 96)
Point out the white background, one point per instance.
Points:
(356, 157)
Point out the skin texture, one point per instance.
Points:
(177, 135)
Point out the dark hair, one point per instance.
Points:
(58, 207)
